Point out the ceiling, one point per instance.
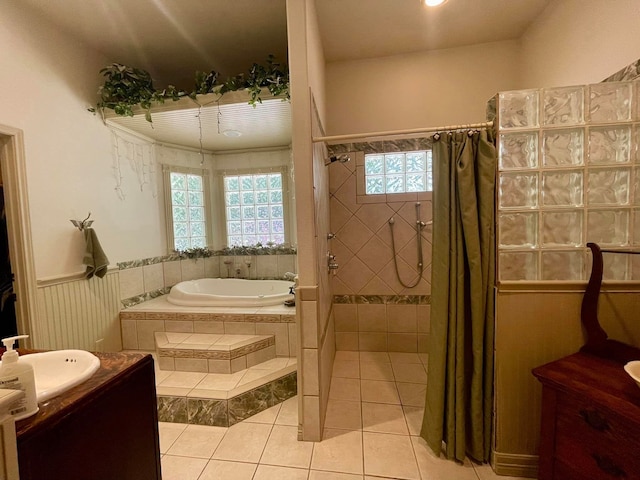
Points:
(172, 39)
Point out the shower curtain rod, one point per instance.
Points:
(390, 133)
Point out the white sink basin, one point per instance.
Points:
(633, 369)
(59, 370)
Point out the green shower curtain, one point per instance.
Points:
(460, 369)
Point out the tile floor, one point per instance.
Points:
(371, 433)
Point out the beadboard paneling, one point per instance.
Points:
(79, 314)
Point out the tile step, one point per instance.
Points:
(226, 408)
(212, 353)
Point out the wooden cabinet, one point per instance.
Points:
(590, 420)
(103, 429)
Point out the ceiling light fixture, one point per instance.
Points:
(232, 133)
(433, 3)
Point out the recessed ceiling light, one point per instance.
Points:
(433, 3)
(232, 133)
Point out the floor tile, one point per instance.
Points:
(197, 441)
(342, 356)
(320, 475)
(412, 394)
(221, 470)
(288, 412)
(379, 392)
(378, 417)
(169, 433)
(182, 468)
(345, 389)
(409, 373)
(243, 442)
(340, 451)
(266, 416)
(268, 472)
(284, 449)
(379, 357)
(343, 414)
(413, 416)
(183, 379)
(220, 381)
(346, 369)
(376, 371)
(434, 468)
(390, 456)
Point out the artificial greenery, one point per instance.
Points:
(195, 252)
(270, 248)
(127, 87)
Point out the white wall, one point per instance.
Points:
(441, 87)
(47, 82)
(577, 42)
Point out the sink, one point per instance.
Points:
(633, 369)
(57, 371)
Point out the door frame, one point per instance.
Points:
(14, 178)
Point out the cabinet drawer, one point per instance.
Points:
(596, 442)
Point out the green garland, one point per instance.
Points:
(127, 87)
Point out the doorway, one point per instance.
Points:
(17, 238)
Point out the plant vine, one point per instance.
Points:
(127, 87)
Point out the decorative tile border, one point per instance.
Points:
(383, 299)
(225, 413)
(383, 146)
(628, 73)
(130, 302)
(207, 317)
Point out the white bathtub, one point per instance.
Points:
(230, 292)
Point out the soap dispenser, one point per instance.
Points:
(17, 375)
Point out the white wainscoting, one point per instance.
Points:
(77, 313)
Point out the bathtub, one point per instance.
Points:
(230, 292)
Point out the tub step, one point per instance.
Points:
(212, 353)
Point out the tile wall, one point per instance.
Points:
(373, 311)
(142, 280)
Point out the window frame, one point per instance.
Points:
(362, 197)
(205, 173)
(221, 213)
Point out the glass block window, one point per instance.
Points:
(398, 172)
(254, 208)
(188, 210)
(569, 174)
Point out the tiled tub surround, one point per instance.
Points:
(142, 280)
(219, 399)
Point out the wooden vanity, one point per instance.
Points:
(590, 420)
(104, 429)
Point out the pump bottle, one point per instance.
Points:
(17, 375)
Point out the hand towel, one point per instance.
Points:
(94, 257)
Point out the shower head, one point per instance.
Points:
(342, 158)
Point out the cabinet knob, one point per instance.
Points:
(595, 420)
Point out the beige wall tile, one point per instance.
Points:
(372, 342)
(347, 341)
(293, 339)
(208, 327)
(238, 364)
(311, 418)
(240, 328)
(286, 263)
(255, 358)
(191, 365)
(178, 326)
(402, 318)
(403, 342)
(192, 268)
(266, 266)
(423, 343)
(153, 276)
(172, 273)
(129, 334)
(346, 317)
(219, 366)
(212, 267)
(423, 314)
(146, 329)
(310, 372)
(131, 282)
(281, 333)
(372, 318)
(309, 322)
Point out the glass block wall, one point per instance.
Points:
(569, 173)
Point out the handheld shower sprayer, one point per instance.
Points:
(419, 226)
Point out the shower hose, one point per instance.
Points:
(419, 226)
